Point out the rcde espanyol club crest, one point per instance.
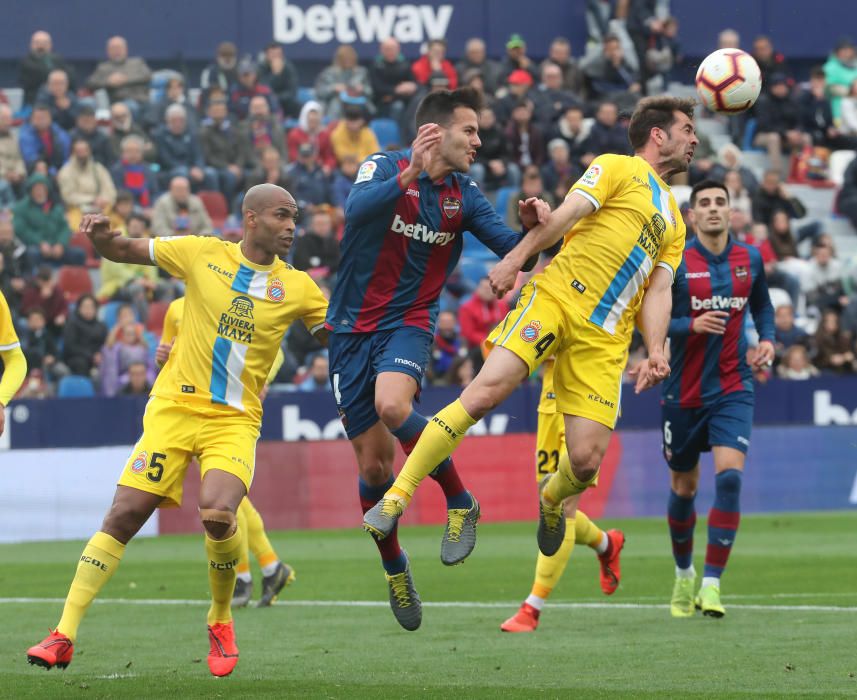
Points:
(451, 206)
(530, 332)
(276, 291)
(139, 464)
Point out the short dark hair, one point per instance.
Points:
(439, 107)
(657, 112)
(707, 185)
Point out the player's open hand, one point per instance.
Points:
(428, 137)
(711, 322)
(533, 211)
(97, 228)
(764, 356)
(502, 277)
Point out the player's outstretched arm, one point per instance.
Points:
(654, 319)
(112, 244)
(563, 218)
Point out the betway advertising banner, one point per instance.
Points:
(312, 29)
(295, 417)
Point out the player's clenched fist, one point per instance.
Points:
(503, 276)
(97, 227)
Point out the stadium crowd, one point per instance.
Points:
(167, 160)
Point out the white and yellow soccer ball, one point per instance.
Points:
(728, 81)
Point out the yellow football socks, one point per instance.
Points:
(223, 558)
(586, 532)
(258, 540)
(438, 441)
(97, 565)
(549, 570)
(243, 568)
(564, 483)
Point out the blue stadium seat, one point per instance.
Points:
(305, 94)
(502, 200)
(109, 312)
(750, 134)
(473, 270)
(387, 132)
(75, 387)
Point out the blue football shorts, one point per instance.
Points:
(356, 359)
(688, 432)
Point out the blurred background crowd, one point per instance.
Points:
(169, 153)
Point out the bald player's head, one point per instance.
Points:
(264, 196)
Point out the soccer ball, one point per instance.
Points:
(728, 81)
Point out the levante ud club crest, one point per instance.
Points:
(530, 332)
(451, 206)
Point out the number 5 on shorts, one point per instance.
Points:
(156, 467)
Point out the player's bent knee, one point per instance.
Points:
(482, 400)
(729, 481)
(585, 460)
(392, 413)
(220, 524)
(375, 473)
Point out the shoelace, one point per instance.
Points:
(456, 518)
(391, 508)
(551, 517)
(399, 584)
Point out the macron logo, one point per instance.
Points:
(420, 232)
(718, 303)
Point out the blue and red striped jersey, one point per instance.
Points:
(704, 366)
(400, 245)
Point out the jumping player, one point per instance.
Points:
(404, 222)
(708, 398)
(275, 573)
(240, 300)
(579, 529)
(625, 241)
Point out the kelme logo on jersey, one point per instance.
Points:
(276, 291)
(451, 206)
(420, 232)
(530, 332)
(718, 303)
(139, 464)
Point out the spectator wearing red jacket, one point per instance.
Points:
(479, 314)
(434, 61)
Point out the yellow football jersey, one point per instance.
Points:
(604, 266)
(8, 336)
(173, 319)
(235, 315)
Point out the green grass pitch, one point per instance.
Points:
(790, 629)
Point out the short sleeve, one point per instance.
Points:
(314, 307)
(8, 337)
(670, 257)
(175, 254)
(600, 181)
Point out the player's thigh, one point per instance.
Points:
(550, 443)
(405, 351)
(685, 436)
(159, 460)
(533, 330)
(729, 428)
(588, 374)
(353, 381)
(228, 445)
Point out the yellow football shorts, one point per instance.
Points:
(173, 433)
(589, 361)
(550, 443)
